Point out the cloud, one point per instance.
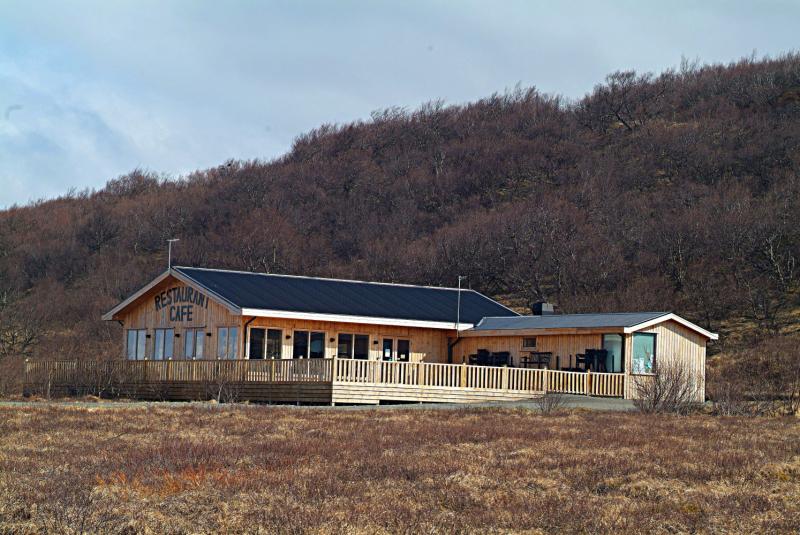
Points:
(176, 86)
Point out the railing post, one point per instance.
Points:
(505, 378)
(420, 366)
(335, 367)
(463, 375)
(588, 387)
(169, 369)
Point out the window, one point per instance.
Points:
(193, 344)
(361, 346)
(643, 354)
(613, 344)
(264, 343)
(227, 342)
(317, 348)
(137, 340)
(404, 350)
(308, 345)
(345, 348)
(162, 349)
(353, 346)
(274, 343)
(529, 343)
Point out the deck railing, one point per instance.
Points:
(326, 370)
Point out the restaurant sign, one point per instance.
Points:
(181, 302)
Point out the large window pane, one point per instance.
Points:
(613, 344)
(159, 345)
(643, 353)
(131, 345)
(141, 343)
(345, 347)
(233, 343)
(361, 346)
(300, 349)
(198, 346)
(274, 343)
(169, 336)
(317, 346)
(257, 337)
(188, 345)
(222, 342)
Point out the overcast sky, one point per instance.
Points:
(91, 90)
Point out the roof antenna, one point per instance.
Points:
(458, 313)
(169, 257)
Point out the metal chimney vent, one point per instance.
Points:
(542, 308)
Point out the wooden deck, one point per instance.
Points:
(328, 381)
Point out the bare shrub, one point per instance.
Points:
(551, 402)
(225, 385)
(763, 380)
(670, 389)
(12, 372)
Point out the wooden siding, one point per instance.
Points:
(677, 343)
(209, 317)
(428, 345)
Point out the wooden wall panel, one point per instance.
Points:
(676, 343)
(428, 345)
(209, 316)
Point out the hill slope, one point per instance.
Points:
(670, 192)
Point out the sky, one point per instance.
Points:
(91, 90)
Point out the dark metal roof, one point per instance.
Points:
(568, 321)
(349, 298)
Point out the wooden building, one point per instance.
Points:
(192, 314)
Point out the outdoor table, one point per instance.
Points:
(537, 358)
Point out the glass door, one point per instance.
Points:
(388, 348)
(613, 344)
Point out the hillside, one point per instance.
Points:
(676, 191)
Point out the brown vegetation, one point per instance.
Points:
(235, 469)
(676, 191)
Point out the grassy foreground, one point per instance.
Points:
(240, 469)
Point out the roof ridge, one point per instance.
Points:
(581, 314)
(332, 279)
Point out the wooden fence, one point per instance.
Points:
(99, 377)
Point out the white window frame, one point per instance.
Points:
(139, 344)
(226, 353)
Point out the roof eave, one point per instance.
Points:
(369, 320)
(109, 316)
(674, 317)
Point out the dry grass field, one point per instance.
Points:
(239, 469)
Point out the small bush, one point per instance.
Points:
(670, 389)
